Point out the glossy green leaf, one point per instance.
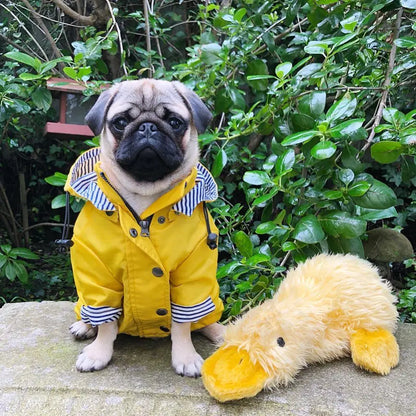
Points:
(301, 137)
(393, 116)
(358, 188)
(219, 162)
(265, 227)
(239, 14)
(342, 224)
(59, 201)
(25, 253)
(210, 53)
(257, 67)
(309, 70)
(316, 48)
(346, 176)
(344, 245)
(57, 179)
(71, 72)
(24, 59)
(408, 139)
(409, 4)
(406, 42)
(283, 69)
(377, 214)
(313, 104)
(288, 246)
(323, 150)
(302, 122)
(342, 108)
(346, 129)
(26, 76)
(243, 243)
(20, 106)
(222, 102)
(308, 230)
(285, 162)
(237, 99)
(378, 196)
(266, 197)
(227, 269)
(386, 151)
(42, 98)
(332, 195)
(256, 177)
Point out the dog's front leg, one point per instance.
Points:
(97, 355)
(185, 360)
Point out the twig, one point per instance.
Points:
(281, 35)
(12, 222)
(84, 20)
(42, 26)
(46, 224)
(148, 41)
(386, 84)
(22, 25)
(120, 41)
(286, 258)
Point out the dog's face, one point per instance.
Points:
(149, 128)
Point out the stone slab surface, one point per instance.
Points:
(38, 377)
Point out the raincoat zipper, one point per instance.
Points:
(144, 224)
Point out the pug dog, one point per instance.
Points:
(142, 257)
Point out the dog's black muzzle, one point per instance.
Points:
(149, 154)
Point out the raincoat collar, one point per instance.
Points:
(84, 182)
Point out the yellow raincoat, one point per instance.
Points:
(144, 274)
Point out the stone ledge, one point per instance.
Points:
(38, 377)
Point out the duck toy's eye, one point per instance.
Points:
(280, 342)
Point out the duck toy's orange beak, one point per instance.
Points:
(229, 374)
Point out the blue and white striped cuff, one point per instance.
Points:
(99, 315)
(194, 313)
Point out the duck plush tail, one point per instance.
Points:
(375, 351)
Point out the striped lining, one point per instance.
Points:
(99, 315)
(84, 183)
(205, 189)
(194, 313)
(84, 180)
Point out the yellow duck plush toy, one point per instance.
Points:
(329, 307)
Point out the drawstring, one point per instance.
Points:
(64, 242)
(212, 237)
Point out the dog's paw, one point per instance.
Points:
(80, 330)
(94, 357)
(188, 365)
(214, 332)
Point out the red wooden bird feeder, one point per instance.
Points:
(69, 102)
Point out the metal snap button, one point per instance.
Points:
(157, 271)
(109, 213)
(162, 312)
(133, 232)
(161, 220)
(164, 329)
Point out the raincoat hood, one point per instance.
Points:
(86, 178)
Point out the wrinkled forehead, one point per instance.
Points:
(137, 97)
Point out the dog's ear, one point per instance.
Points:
(200, 114)
(95, 118)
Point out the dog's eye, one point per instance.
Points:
(120, 123)
(280, 342)
(175, 123)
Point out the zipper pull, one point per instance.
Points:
(144, 225)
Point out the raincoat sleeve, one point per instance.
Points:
(194, 286)
(99, 288)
